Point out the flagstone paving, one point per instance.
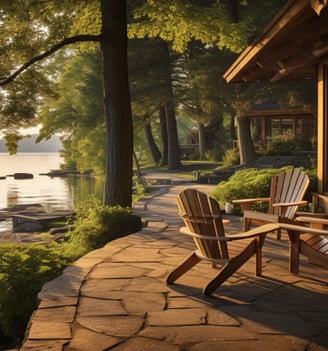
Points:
(115, 298)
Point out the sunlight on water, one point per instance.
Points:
(52, 193)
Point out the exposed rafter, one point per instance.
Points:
(290, 47)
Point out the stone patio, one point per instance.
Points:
(115, 298)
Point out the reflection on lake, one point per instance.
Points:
(52, 193)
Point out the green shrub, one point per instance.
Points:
(231, 157)
(23, 271)
(97, 224)
(285, 144)
(249, 183)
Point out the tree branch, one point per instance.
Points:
(67, 41)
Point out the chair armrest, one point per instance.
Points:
(321, 196)
(315, 222)
(311, 214)
(241, 201)
(302, 230)
(310, 219)
(320, 202)
(185, 230)
(246, 203)
(287, 204)
(261, 230)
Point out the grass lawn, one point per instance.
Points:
(188, 168)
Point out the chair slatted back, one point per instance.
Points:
(317, 242)
(201, 215)
(288, 186)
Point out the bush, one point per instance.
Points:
(96, 225)
(285, 144)
(249, 183)
(231, 157)
(23, 271)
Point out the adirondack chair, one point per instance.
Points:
(203, 222)
(286, 195)
(320, 205)
(311, 242)
(314, 246)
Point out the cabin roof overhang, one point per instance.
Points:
(289, 48)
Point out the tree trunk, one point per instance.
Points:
(171, 123)
(201, 141)
(139, 174)
(246, 147)
(172, 133)
(162, 121)
(154, 150)
(233, 135)
(118, 181)
(232, 7)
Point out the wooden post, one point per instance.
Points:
(322, 128)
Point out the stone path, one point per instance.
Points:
(115, 298)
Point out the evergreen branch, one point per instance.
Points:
(67, 41)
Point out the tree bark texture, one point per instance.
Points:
(201, 141)
(246, 147)
(119, 162)
(154, 150)
(164, 137)
(172, 133)
(171, 123)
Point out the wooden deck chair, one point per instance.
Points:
(311, 242)
(203, 222)
(320, 205)
(286, 195)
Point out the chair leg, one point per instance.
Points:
(279, 234)
(258, 265)
(185, 266)
(230, 268)
(246, 224)
(294, 248)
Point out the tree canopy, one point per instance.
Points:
(179, 49)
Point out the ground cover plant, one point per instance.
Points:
(25, 268)
(23, 271)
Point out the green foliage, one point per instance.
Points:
(181, 22)
(23, 271)
(284, 144)
(77, 112)
(230, 157)
(245, 184)
(97, 224)
(253, 183)
(37, 26)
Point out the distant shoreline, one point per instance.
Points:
(29, 145)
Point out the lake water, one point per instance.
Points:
(52, 193)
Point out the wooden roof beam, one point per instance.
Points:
(320, 52)
(314, 28)
(308, 72)
(319, 5)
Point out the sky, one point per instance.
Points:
(32, 130)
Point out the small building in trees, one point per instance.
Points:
(268, 121)
(293, 46)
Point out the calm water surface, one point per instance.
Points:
(51, 193)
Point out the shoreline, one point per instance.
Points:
(10, 237)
